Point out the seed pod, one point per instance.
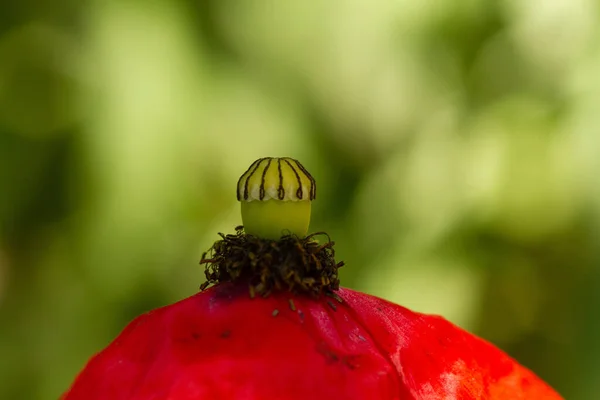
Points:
(276, 195)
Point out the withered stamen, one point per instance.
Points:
(333, 307)
(299, 265)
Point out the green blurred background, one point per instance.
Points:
(456, 146)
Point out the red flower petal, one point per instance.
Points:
(220, 344)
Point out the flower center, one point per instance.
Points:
(271, 251)
(297, 265)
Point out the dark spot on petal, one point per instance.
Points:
(350, 361)
(195, 335)
(429, 355)
(333, 307)
(225, 334)
(329, 354)
(275, 312)
(444, 341)
(301, 314)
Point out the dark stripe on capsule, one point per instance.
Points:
(299, 191)
(280, 190)
(256, 165)
(239, 193)
(313, 185)
(261, 192)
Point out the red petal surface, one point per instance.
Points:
(220, 344)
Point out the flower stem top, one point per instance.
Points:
(276, 195)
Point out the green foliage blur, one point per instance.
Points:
(455, 143)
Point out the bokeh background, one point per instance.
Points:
(455, 143)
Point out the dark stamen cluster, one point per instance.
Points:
(298, 265)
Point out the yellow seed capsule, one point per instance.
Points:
(276, 195)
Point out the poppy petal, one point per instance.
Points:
(221, 344)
